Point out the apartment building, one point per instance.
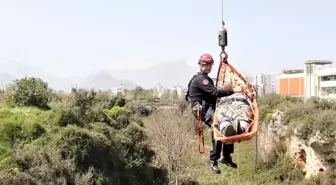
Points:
(263, 83)
(317, 79)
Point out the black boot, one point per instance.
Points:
(227, 160)
(214, 166)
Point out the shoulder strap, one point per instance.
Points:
(192, 78)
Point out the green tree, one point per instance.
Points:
(31, 91)
(137, 92)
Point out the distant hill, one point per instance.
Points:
(20, 70)
(103, 80)
(168, 74)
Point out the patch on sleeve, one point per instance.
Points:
(205, 82)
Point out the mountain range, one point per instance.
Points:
(169, 74)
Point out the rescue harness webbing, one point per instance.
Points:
(221, 60)
(198, 108)
(201, 134)
(222, 70)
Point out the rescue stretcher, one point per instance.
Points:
(228, 75)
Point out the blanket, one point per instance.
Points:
(234, 114)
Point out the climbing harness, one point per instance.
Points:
(198, 108)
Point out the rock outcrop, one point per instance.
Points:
(314, 154)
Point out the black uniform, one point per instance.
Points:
(202, 90)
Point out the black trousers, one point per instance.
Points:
(216, 147)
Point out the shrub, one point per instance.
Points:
(69, 117)
(312, 116)
(117, 111)
(83, 100)
(140, 108)
(104, 100)
(91, 139)
(30, 92)
(270, 102)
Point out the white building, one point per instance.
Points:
(118, 90)
(318, 79)
(181, 91)
(263, 83)
(158, 90)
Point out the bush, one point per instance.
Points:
(31, 92)
(104, 100)
(270, 102)
(69, 117)
(139, 109)
(312, 116)
(82, 100)
(63, 146)
(88, 138)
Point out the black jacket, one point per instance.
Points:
(202, 88)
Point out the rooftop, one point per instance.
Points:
(292, 71)
(319, 62)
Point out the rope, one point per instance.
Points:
(198, 107)
(223, 14)
(238, 162)
(256, 158)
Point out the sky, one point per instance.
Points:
(77, 37)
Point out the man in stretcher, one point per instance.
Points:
(234, 114)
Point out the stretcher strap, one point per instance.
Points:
(228, 75)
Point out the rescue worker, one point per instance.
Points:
(202, 92)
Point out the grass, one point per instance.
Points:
(248, 171)
(308, 117)
(243, 156)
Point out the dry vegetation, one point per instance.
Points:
(171, 135)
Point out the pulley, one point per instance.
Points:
(222, 38)
(222, 33)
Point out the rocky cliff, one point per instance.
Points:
(314, 154)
